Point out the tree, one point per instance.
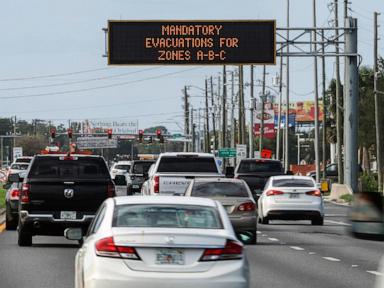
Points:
(31, 144)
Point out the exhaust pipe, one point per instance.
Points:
(36, 224)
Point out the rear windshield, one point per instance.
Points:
(259, 166)
(82, 168)
(141, 167)
(124, 167)
(19, 166)
(219, 189)
(25, 160)
(187, 164)
(169, 216)
(293, 183)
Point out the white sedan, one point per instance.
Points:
(160, 242)
(291, 198)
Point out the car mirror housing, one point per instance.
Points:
(75, 234)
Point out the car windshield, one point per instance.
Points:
(25, 160)
(293, 183)
(187, 164)
(141, 167)
(259, 166)
(20, 166)
(169, 216)
(124, 167)
(219, 189)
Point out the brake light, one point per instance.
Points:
(316, 193)
(156, 186)
(274, 192)
(232, 250)
(24, 197)
(106, 248)
(247, 206)
(14, 195)
(111, 190)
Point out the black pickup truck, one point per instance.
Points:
(61, 191)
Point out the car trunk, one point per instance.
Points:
(169, 250)
(295, 195)
(231, 205)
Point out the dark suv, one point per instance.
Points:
(136, 175)
(61, 191)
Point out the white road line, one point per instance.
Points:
(273, 239)
(331, 259)
(337, 222)
(354, 266)
(311, 253)
(375, 273)
(264, 235)
(258, 232)
(296, 248)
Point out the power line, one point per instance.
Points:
(98, 87)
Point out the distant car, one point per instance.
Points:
(291, 198)
(256, 172)
(24, 159)
(17, 168)
(135, 177)
(236, 198)
(160, 242)
(121, 167)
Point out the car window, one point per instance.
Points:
(169, 216)
(293, 183)
(99, 217)
(25, 160)
(187, 164)
(251, 166)
(19, 166)
(141, 167)
(331, 168)
(124, 167)
(219, 189)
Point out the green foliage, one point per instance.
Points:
(369, 183)
(347, 198)
(2, 197)
(31, 144)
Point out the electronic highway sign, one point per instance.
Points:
(192, 42)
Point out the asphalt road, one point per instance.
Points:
(289, 254)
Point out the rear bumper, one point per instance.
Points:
(46, 224)
(240, 224)
(294, 211)
(294, 214)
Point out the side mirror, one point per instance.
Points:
(230, 172)
(14, 178)
(289, 173)
(75, 234)
(120, 180)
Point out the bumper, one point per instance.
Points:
(108, 274)
(46, 224)
(302, 211)
(248, 223)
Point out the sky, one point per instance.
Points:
(52, 65)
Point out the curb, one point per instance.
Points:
(2, 220)
(339, 204)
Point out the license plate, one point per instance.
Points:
(135, 186)
(68, 215)
(294, 195)
(170, 257)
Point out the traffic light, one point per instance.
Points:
(150, 140)
(158, 133)
(53, 133)
(161, 139)
(70, 133)
(141, 135)
(109, 132)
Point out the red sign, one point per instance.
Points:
(269, 130)
(266, 153)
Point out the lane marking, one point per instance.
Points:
(331, 259)
(2, 227)
(337, 222)
(258, 232)
(264, 235)
(297, 248)
(336, 215)
(375, 273)
(273, 239)
(311, 253)
(354, 266)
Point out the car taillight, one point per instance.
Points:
(111, 190)
(274, 192)
(106, 248)
(156, 186)
(316, 193)
(247, 206)
(24, 197)
(14, 195)
(232, 250)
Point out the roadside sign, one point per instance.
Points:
(192, 42)
(241, 151)
(17, 152)
(95, 142)
(227, 153)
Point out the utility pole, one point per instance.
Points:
(186, 118)
(224, 109)
(377, 105)
(351, 104)
(207, 140)
(233, 101)
(192, 125)
(278, 137)
(241, 106)
(339, 97)
(261, 139)
(324, 106)
(213, 115)
(219, 116)
(316, 84)
(345, 9)
(14, 132)
(286, 140)
(251, 111)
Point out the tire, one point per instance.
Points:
(254, 238)
(24, 237)
(10, 224)
(318, 222)
(129, 191)
(265, 220)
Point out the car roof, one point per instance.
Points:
(218, 179)
(124, 200)
(71, 155)
(123, 162)
(175, 154)
(260, 159)
(293, 177)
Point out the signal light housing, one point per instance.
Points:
(70, 133)
(141, 136)
(109, 132)
(53, 133)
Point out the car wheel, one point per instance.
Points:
(24, 237)
(129, 191)
(265, 220)
(253, 241)
(10, 224)
(318, 222)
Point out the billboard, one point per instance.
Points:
(191, 42)
(269, 126)
(304, 111)
(95, 142)
(119, 127)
